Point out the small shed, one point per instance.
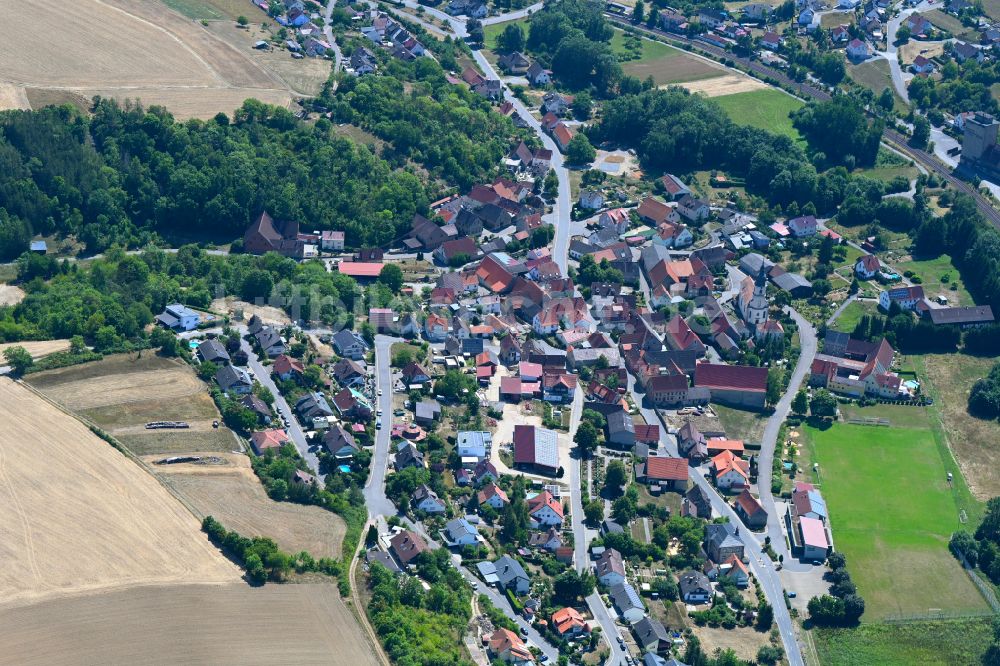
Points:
(39, 247)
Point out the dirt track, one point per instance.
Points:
(730, 84)
(129, 49)
(188, 624)
(80, 516)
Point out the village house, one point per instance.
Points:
(568, 623)
(544, 510)
(750, 510)
(213, 351)
(867, 267)
(508, 647)
(721, 542)
(407, 545)
(492, 495)
(695, 587)
(663, 473)
(267, 235)
(350, 344)
(233, 380)
(340, 443)
(907, 298)
(178, 317)
(460, 532)
(287, 367)
(425, 499)
(627, 602)
(735, 385)
(512, 575)
(265, 440)
(610, 568)
(730, 471)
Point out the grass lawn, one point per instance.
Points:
(833, 19)
(853, 313)
(932, 272)
(874, 75)
(950, 23)
(892, 512)
(948, 379)
(491, 32)
(664, 63)
(651, 49)
(992, 9)
(766, 109)
(943, 642)
(741, 423)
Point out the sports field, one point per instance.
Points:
(767, 109)
(892, 512)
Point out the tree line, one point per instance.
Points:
(127, 174)
(674, 130)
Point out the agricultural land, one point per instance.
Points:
(122, 393)
(129, 49)
(82, 516)
(189, 624)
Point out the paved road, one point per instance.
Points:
(328, 33)
(775, 524)
(378, 504)
(263, 374)
(894, 139)
(501, 602)
(560, 217)
(762, 568)
(513, 16)
(891, 54)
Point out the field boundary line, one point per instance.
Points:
(116, 444)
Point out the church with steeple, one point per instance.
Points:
(753, 300)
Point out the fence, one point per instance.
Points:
(903, 618)
(870, 421)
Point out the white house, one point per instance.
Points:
(474, 444)
(905, 297)
(857, 50)
(610, 568)
(592, 199)
(544, 510)
(802, 226)
(628, 603)
(922, 65)
(461, 532)
(427, 500)
(867, 267)
(178, 317)
(494, 496)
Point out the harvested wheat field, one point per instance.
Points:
(730, 84)
(122, 393)
(81, 516)
(38, 348)
(232, 493)
(119, 380)
(129, 49)
(188, 624)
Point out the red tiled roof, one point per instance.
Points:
(732, 377)
(360, 268)
(666, 469)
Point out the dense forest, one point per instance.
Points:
(111, 300)
(447, 129)
(125, 174)
(673, 129)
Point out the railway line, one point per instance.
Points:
(890, 137)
